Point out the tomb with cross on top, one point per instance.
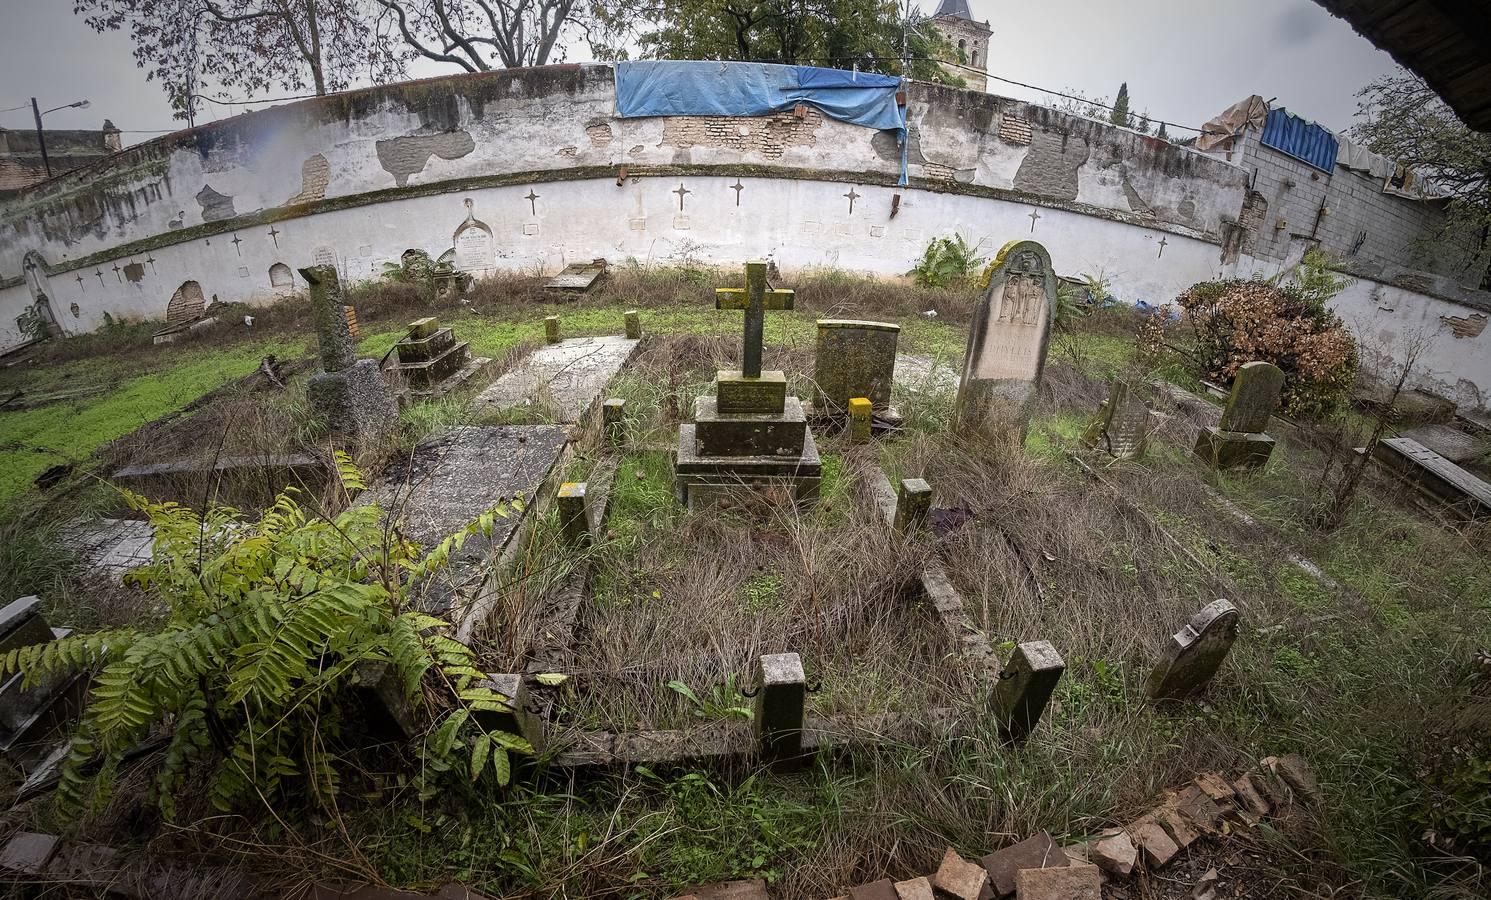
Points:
(750, 434)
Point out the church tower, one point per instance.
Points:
(970, 39)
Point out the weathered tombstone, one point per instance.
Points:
(1008, 338)
(551, 329)
(574, 520)
(350, 393)
(613, 420)
(913, 503)
(859, 419)
(1121, 429)
(781, 701)
(431, 362)
(1025, 687)
(750, 434)
(1194, 653)
(1239, 440)
(473, 243)
(853, 359)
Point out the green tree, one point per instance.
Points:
(1120, 112)
(877, 37)
(1403, 119)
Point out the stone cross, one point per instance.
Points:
(1193, 654)
(338, 352)
(755, 298)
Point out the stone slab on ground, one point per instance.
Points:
(114, 546)
(455, 476)
(578, 277)
(926, 374)
(561, 380)
(1436, 476)
(1451, 443)
(28, 852)
(752, 889)
(1081, 881)
(1035, 852)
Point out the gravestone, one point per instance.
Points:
(1121, 429)
(1194, 653)
(28, 712)
(750, 434)
(560, 381)
(1239, 441)
(853, 359)
(1025, 686)
(473, 243)
(431, 363)
(350, 393)
(1008, 338)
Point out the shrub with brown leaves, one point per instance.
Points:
(1237, 322)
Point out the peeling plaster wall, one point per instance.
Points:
(370, 174)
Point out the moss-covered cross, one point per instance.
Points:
(755, 299)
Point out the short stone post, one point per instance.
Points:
(338, 352)
(859, 419)
(1025, 686)
(350, 393)
(1193, 654)
(573, 520)
(633, 325)
(913, 502)
(420, 329)
(781, 699)
(613, 420)
(517, 719)
(551, 329)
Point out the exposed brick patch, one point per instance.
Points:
(768, 136)
(1466, 326)
(937, 171)
(315, 174)
(1014, 130)
(1050, 166)
(599, 134)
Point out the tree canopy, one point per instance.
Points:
(879, 36)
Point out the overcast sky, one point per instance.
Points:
(1184, 60)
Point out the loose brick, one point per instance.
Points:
(915, 889)
(1035, 852)
(959, 877)
(1152, 838)
(1115, 853)
(1081, 881)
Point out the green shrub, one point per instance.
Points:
(267, 624)
(947, 261)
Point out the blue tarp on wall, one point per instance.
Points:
(1301, 139)
(677, 88)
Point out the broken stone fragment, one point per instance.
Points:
(959, 877)
(1079, 881)
(1265, 777)
(1200, 809)
(1250, 803)
(1299, 776)
(915, 889)
(1215, 787)
(1114, 853)
(1035, 852)
(875, 890)
(1152, 838)
(1177, 825)
(28, 852)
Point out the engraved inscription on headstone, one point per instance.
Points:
(1122, 424)
(473, 243)
(324, 256)
(1009, 334)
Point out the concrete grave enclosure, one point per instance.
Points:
(537, 160)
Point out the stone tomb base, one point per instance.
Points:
(1233, 449)
(701, 480)
(355, 401)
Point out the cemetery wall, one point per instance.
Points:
(360, 177)
(531, 169)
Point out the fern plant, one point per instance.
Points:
(251, 669)
(947, 261)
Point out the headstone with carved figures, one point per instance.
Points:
(1007, 340)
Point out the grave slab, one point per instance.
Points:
(1463, 493)
(564, 379)
(114, 546)
(456, 476)
(578, 277)
(1451, 443)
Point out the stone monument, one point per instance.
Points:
(1008, 338)
(750, 433)
(350, 392)
(1193, 654)
(1121, 429)
(854, 359)
(1239, 440)
(431, 362)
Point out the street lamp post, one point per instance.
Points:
(41, 140)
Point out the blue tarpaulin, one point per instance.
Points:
(673, 88)
(1301, 139)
